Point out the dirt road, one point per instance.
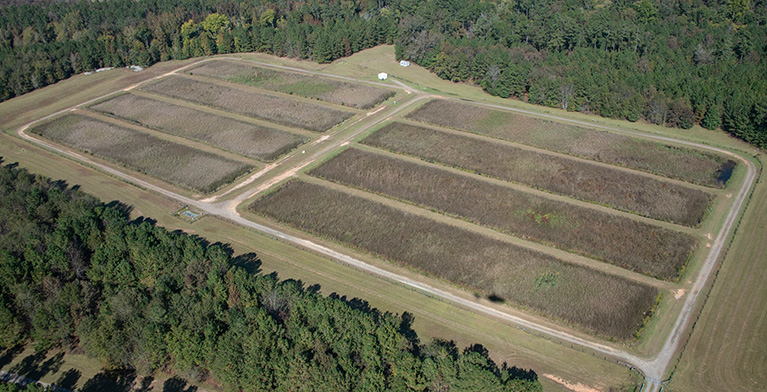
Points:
(652, 368)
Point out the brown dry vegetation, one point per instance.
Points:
(622, 241)
(676, 162)
(279, 110)
(243, 138)
(325, 89)
(583, 180)
(172, 162)
(609, 305)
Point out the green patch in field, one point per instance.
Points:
(546, 280)
(307, 88)
(550, 220)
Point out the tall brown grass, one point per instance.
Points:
(613, 187)
(237, 136)
(294, 113)
(681, 163)
(606, 304)
(618, 240)
(171, 162)
(325, 89)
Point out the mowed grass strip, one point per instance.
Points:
(237, 136)
(608, 305)
(325, 89)
(618, 240)
(583, 180)
(171, 162)
(681, 163)
(278, 110)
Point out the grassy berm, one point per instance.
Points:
(246, 139)
(619, 240)
(356, 95)
(608, 305)
(587, 181)
(285, 111)
(171, 162)
(682, 163)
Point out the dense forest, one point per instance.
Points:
(75, 272)
(669, 62)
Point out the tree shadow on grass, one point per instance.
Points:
(68, 379)
(113, 381)
(9, 354)
(249, 262)
(176, 384)
(35, 366)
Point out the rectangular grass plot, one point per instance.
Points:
(290, 112)
(237, 136)
(171, 162)
(682, 163)
(616, 239)
(325, 89)
(587, 181)
(607, 304)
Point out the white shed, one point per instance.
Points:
(404, 63)
(383, 75)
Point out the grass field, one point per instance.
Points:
(171, 162)
(676, 162)
(586, 181)
(250, 140)
(609, 305)
(618, 240)
(334, 91)
(726, 351)
(278, 110)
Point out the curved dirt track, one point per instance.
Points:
(652, 368)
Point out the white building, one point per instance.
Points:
(383, 75)
(404, 63)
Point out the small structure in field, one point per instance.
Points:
(404, 63)
(383, 76)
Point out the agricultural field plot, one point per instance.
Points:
(587, 181)
(681, 163)
(171, 162)
(243, 138)
(325, 89)
(285, 111)
(618, 240)
(605, 304)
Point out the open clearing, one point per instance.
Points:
(334, 91)
(618, 240)
(247, 139)
(583, 180)
(682, 163)
(727, 348)
(606, 304)
(171, 162)
(293, 113)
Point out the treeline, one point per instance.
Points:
(77, 272)
(42, 44)
(674, 63)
